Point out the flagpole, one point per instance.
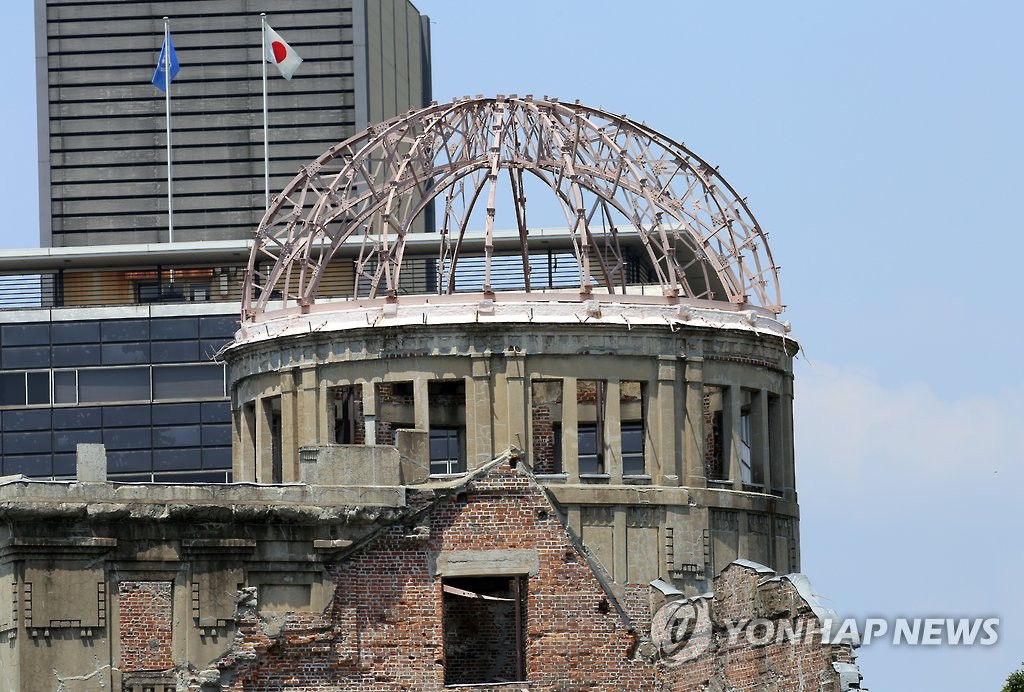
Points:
(266, 127)
(167, 102)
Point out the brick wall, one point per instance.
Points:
(399, 393)
(145, 618)
(743, 594)
(385, 628)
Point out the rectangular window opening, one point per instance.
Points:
(484, 621)
(590, 398)
(349, 425)
(546, 423)
(395, 410)
(714, 435)
(631, 428)
(447, 406)
(447, 451)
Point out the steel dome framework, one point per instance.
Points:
(611, 176)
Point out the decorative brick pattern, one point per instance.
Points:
(145, 617)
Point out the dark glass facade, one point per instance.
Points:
(149, 388)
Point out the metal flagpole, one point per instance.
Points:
(167, 101)
(266, 127)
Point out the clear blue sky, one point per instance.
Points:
(880, 144)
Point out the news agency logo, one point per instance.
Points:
(682, 630)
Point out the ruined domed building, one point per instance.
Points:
(461, 457)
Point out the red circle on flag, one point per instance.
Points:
(280, 51)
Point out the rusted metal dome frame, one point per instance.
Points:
(701, 239)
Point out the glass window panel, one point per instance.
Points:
(27, 442)
(38, 387)
(76, 354)
(75, 332)
(176, 437)
(113, 384)
(212, 327)
(125, 330)
(25, 334)
(124, 353)
(587, 442)
(127, 438)
(188, 381)
(70, 418)
(130, 461)
(126, 416)
(26, 356)
(12, 389)
(68, 440)
(175, 328)
(27, 419)
(177, 459)
(175, 352)
(175, 414)
(65, 387)
(37, 465)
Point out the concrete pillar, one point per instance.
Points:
(370, 412)
(574, 520)
(620, 563)
(309, 411)
(695, 475)
(91, 463)
(421, 402)
(289, 422)
(759, 452)
(243, 452)
(786, 423)
(660, 410)
(325, 415)
(265, 439)
(479, 438)
(570, 431)
(516, 402)
(731, 433)
(613, 430)
(776, 477)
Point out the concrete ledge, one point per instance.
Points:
(590, 494)
(231, 502)
(475, 563)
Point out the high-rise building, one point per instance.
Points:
(107, 333)
(102, 124)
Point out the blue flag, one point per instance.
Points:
(160, 79)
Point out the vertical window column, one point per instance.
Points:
(545, 425)
(591, 449)
(613, 430)
(732, 428)
(268, 440)
(776, 472)
(694, 439)
(714, 426)
(570, 431)
(760, 452)
(479, 442)
(446, 401)
(244, 452)
(633, 428)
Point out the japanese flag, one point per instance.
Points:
(277, 51)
